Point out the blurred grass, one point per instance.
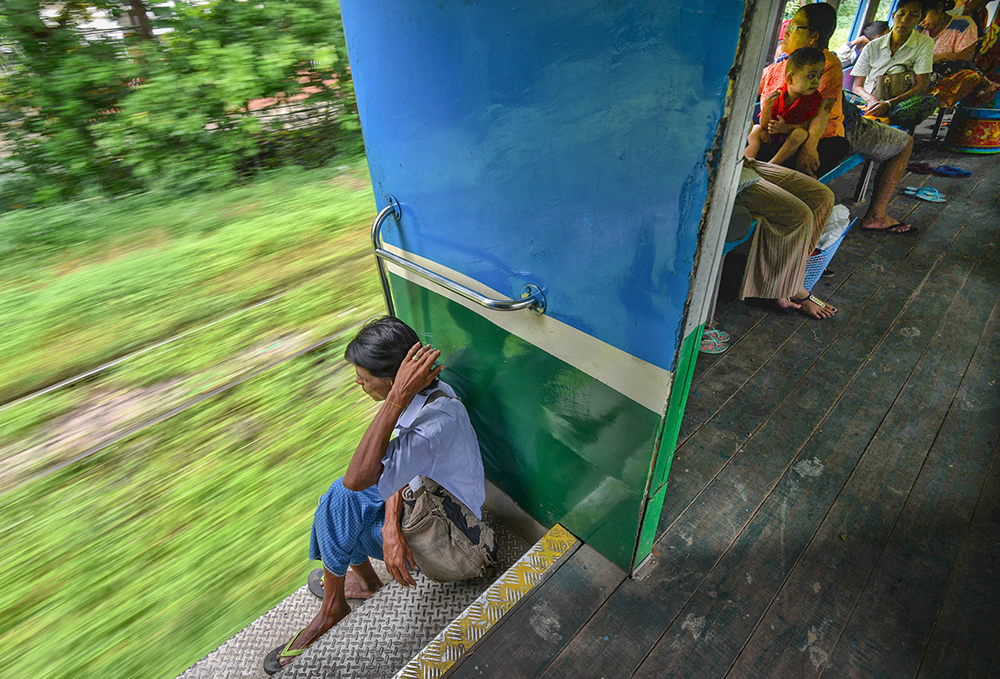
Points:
(137, 562)
(141, 559)
(90, 281)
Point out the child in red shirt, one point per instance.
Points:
(785, 113)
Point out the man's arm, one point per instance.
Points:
(961, 55)
(859, 89)
(395, 550)
(413, 376)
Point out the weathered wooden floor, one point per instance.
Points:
(834, 500)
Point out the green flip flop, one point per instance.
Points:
(716, 334)
(272, 661)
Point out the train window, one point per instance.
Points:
(851, 16)
(846, 13)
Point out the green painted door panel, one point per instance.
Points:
(563, 445)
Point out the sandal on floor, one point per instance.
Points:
(716, 334)
(927, 193)
(315, 582)
(910, 230)
(272, 664)
(950, 171)
(818, 302)
(920, 168)
(712, 346)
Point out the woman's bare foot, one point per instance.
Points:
(814, 307)
(786, 303)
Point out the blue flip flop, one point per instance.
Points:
(927, 193)
(950, 171)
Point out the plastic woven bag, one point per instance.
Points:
(840, 219)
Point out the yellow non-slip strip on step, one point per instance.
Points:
(459, 636)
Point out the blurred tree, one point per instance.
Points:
(187, 94)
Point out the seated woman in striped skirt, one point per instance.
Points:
(792, 210)
(414, 434)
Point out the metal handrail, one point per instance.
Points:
(531, 296)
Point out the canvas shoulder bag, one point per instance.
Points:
(447, 540)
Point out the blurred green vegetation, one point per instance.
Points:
(89, 281)
(191, 94)
(140, 559)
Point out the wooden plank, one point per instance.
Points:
(779, 372)
(736, 395)
(695, 464)
(637, 613)
(801, 628)
(753, 398)
(891, 623)
(741, 587)
(965, 641)
(544, 621)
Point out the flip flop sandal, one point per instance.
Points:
(911, 231)
(716, 334)
(712, 346)
(315, 582)
(920, 168)
(951, 171)
(818, 302)
(926, 193)
(272, 664)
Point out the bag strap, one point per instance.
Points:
(440, 393)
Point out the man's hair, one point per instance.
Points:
(924, 5)
(381, 345)
(804, 56)
(874, 29)
(822, 19)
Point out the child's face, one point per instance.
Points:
(805, 80)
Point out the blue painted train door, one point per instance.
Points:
(574, 149)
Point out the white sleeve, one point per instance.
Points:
(862, 67)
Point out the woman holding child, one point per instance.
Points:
(825, 145)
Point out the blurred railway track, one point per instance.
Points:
(173, 412)
(159, 343)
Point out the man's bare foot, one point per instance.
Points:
(885, 223)
(356, 588)
(814, 307)
(319, 626)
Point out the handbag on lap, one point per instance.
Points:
(890, 85)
